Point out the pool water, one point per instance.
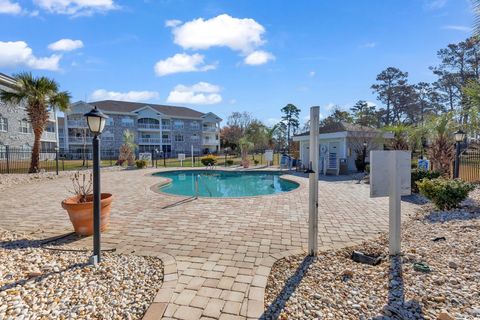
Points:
(220, 184)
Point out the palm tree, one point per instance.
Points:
(38, 94)
(270, 135)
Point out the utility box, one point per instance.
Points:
(343, 166)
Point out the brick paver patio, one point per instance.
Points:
(217, 252)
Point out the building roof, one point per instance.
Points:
(8, 81)
(125, 106)
(341, 126)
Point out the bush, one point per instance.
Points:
(141, 163)
(418, 175)
(445, 194)
(209, 160)
(256, 161)
(229, 162)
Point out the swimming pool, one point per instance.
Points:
(224, 184)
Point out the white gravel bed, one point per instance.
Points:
(36, 283)
(335, 287)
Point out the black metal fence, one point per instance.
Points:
(469, 165)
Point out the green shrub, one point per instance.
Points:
(367, 168)
(256, 161)
(418, 175)
(445, 194)
(229, 162)
(141, 163)
(209, 160)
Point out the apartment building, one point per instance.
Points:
(15, 128)
(156, 127)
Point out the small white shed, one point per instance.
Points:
(340, 143)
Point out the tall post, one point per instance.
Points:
(153, 159)
(456, 171)
(56, 159)
(225, 158)
(313, 183)
(395, 205)
(164, 162)
(96, 198)
(192, 156)
(7, 155)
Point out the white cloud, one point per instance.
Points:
(102, 94)
(66, 45)
(172, 23)
(434, 4)
(76, 7)
(258, 57)
(272, 121)
(312, 74)
(18, 53)
(368, 45)
(199, 93)
(181, 62)
(457, 28)
(9, 7)
(242, 35)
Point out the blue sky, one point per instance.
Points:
(225, 56)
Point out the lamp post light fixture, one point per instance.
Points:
(96, 122)
(459, 137)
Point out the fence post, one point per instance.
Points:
(7, 154)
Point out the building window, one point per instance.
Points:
(178, 138)
(24, 126)
(127, 122)
(109, 122)
(178, 124)
(195, 125)
(3, 124)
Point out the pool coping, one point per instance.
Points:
(156, 187)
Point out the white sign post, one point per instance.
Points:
(313, 183)
(390, 176)
(181, 157)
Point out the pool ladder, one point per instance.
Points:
(196, 187)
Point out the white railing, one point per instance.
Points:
(46, 135)
(154, 126)
(210, 129)
(77, 123)
(166, 140)
(81, 140)
(166, 127)
(149, 140)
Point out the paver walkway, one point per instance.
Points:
(218, 252)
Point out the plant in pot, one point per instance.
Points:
(80, 205)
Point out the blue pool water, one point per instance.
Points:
(221, 184)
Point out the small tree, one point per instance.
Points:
(127, 149)
(441, 149)
(245, 146)
(400, 137)
(290, 117)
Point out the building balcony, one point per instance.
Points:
(149, 140)
(211, 142)
(148, 126)
(77, 124)
(166, 140)
(166, 127)
(48, 136)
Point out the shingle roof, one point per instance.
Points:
(340, 127)
(125, 106)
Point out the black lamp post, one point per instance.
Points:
(364, 152)
(459, 137)
(56, 159)
(156, 157)
(96, 122)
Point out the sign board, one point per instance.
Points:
(423, 164)
(147, 156)
(181, 156)
(268, 155)
(381, 172)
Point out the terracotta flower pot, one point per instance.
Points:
(81, 213)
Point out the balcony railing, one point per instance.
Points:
(51, 136)
(77, 123)
(80, 140)
(211, 142)
(166, 127)
(149, 140)
(153, 126)
(210, 129)
(166, 140)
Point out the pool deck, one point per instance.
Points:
(217, 252)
